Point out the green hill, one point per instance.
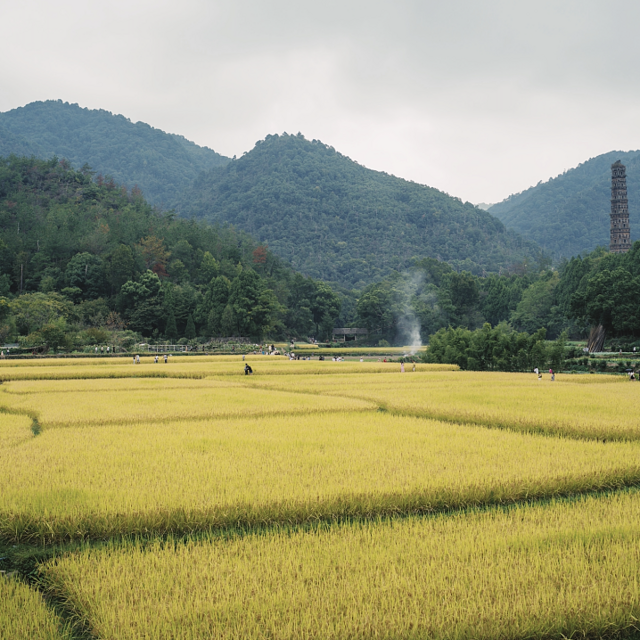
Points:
(569, 215)
(134, 154)
(68, 236)
(336, 220)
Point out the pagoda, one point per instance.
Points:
(620, 236)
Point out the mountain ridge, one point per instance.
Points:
(134, 154)
(334, 219)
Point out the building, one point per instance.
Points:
(347, 333)
(620, 233)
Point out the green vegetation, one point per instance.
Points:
(454, 312)
(569, 215)
(498, 349)
(335, 220)
(86, 261)
(158, 163)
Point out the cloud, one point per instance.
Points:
(480, 99)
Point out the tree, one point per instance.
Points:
(213, 305)
(120, 266)
(612, 298)
(190, 331)
(325, 308)
(376, 307)
(86, 272)
(253, 305)
(32, 311)
(171, 330)
(155, 255)
(538, 307)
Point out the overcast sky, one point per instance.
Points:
(479, 98)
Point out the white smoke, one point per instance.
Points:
(408, 322)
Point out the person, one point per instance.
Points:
(536, 371)
(138, 359)
(134, 358)
(361, 359)
(166, 359)
(553, 375)
(107, 349)
(631, 375)
(156, 359)
(402, 367)
(414, 367)
(247, 369)
(243, 357)
(539, 375)
(384, 360)
(2, 355)
(101, 350)
(96, 350)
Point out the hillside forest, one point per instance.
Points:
(160, 164)
(338, 221)
(569, 214)
(85, 261)
(327, 216)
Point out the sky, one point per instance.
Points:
(478, 98)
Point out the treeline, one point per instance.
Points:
(81, 256)
(496, 349)
(601, 288)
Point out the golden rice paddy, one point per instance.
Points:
(24, 615)
(552, 571)
(321, 499)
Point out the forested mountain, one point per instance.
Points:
(334, 219)
(79, 253)
(569, 214)
(134, 154)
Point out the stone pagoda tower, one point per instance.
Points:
(620, 235)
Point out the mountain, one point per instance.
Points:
(569, 215)
(134, 154)
(336, 220)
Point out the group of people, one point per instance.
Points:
(136, 359)
(102, 350)
(539, 374)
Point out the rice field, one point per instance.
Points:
(318, 500)
(24, 615)
(193, 367)
(552, 571)
(176, 477)
(575, 406)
